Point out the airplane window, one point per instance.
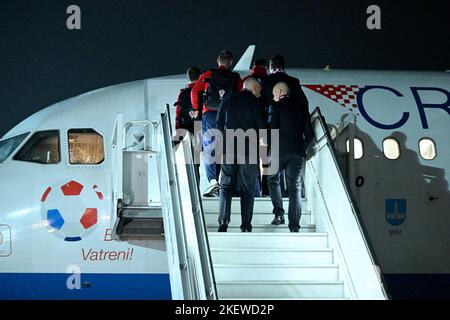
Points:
(43, 147)
(391, 148)
(427, 149)
(85, 147)
(358, 148)
(8, 146)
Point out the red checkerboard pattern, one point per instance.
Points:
(342, 94)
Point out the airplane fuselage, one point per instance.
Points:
(404, 202)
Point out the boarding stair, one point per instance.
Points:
(328, 259)
(271, 262)
(156, 195)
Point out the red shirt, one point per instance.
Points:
(201, 86)
(257, 72)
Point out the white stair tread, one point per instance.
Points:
(258, 218)
(257, 199)
(276, 272)
(263, 228)
(268, 240)
(263, 213)
(260, 204)
(280, 289)
(280, 255)
(281, 250)
(273, 265)
(280, 282)
(269, 234)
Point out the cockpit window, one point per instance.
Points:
(85, 146)
(8, 146)
(43, 147)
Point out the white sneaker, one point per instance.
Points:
(213, 189)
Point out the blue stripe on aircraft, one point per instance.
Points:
(72, 239)
(53, 286)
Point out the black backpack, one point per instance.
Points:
(221, 84)
(185, 104)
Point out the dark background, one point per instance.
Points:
(42, 62)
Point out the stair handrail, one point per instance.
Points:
(199, 218)
(317, 114)
(197, 278)
(179, 251)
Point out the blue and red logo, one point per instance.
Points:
(70, 210)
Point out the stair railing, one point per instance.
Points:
(188, 239)
(335, 212)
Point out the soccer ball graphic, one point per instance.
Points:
(70, 210)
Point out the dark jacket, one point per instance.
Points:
(183, 120)
(293, 83)
(294, 122)
(202, 85)
(240, 111)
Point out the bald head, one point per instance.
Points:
(280, 89)
(253, 86)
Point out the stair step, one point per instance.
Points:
(280, 256)
(212, 217)
(141, 212)
(139, 228)
(264, 228)
(268, 240)
(279, 289)
(263, 205)
(275, 272)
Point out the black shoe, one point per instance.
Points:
(278, 220)
(223, 226)
(246, 229)
(295, 229)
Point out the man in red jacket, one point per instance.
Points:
(214, 85)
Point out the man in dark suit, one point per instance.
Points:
(277, 74)
(293, 121)
(239, 119)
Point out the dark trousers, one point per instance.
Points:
(233, 175)
(263, 177)
(209, 145)
(292, 165)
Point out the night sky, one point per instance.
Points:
(42, 62)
